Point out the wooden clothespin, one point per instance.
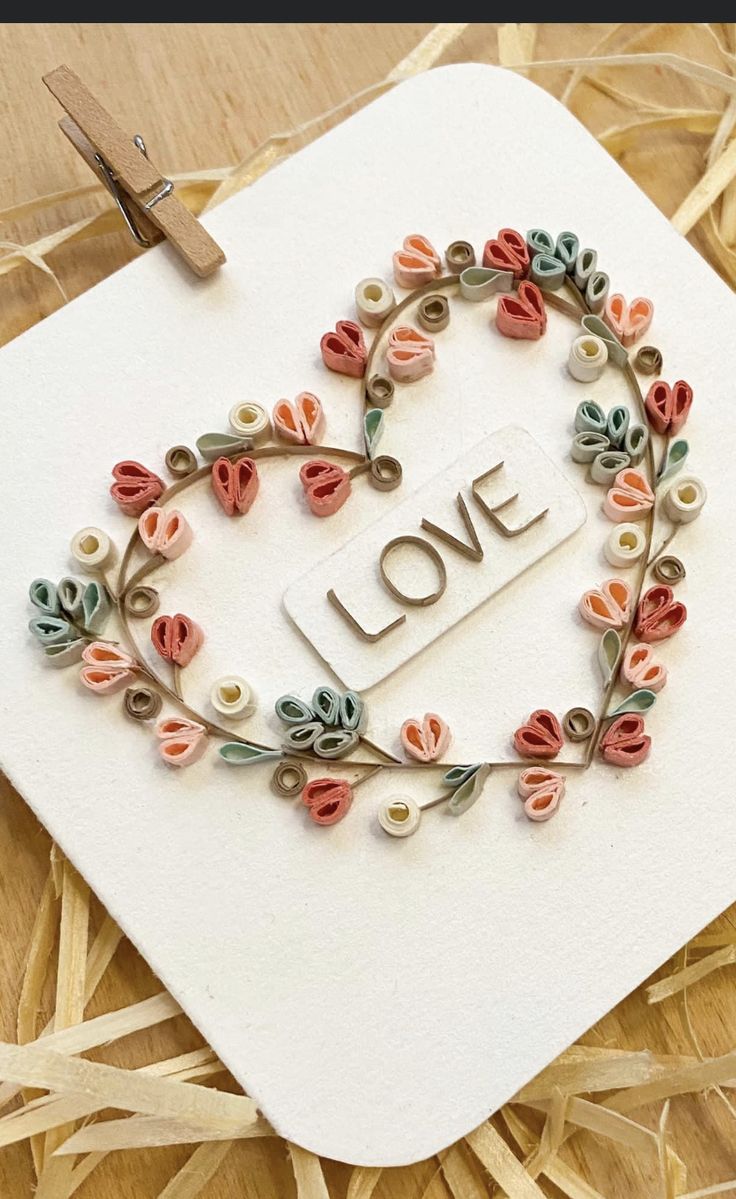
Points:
(145, 198)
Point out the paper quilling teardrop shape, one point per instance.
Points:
(522, 315)
(326, 705)
(181, 742)
(374, 300)
(416, 263)
(426, 740)
(630, 498)
(135, 487)
(590, 418)
(235, 484)
(607, 607)
(166, 533)
(335, 743)
(65, 654)
(326, 486)
(616, 352)
(343, 350)
(567, 248)
(107, 668)
(628, 321)
(353, 712)
(547, 272)
(668, 407)
(587, 446)
(596, 290)
(410, 354)
(51, 630)
(685, 499)
(96, 606)
(541, 791)
(539, 241)
(469, 791)
(638, 702)
(44, 596)
(479, 282)
(303, 736)
(214, 445)
(585, 264)
(457, 775)
(659, 615)
(609, 652)
(540, 737)
(373, 425)
(176, 638)
(70, 595)
(607, 465)
(625, 743)
(327, 800)
(302, 422)
(635, 442)
(617, 425)
(639, 668)
(241, 753)
(293, 710)
(677, 453)
(507, 252)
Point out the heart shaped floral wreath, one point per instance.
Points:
(521, 277)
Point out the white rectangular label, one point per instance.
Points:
(362, 599)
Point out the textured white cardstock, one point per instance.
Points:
(378, 998)
(353, 572)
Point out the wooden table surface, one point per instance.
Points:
(205, 95)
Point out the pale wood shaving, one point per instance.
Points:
(680, 1081)
(691, 974)
(428, 51)
(310, 1181)
(516, 44)
(557, 1171)
(719, 1188)
(552, 1135)
(55, 1181)
(706, 190)
(363, 1182)
(458, 1168)
(666, 1175)
(710, 76)
(620, 138)
(601, 1072)
(147, 1132)
(193, 1177)
(502, 1164)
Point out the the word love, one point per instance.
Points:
(428, 562)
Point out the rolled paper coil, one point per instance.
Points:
(587, 446)
(141, 601)
(379, 391)
(293, 710)
(386, 472)
(425, 740)
(539, 241)
(51, 630)
(636, 442)
(479, 283)
(303, 736)
(669, 570)
(588, 357)
(630, 498)
(625, 743)
(607, 466)
(659, 615)
(343, 350)
(433, 313)
(233, 697)
(617, 425)
(91, 548)
(547, 272)
(135, 487)
(180, 461)
(70, 597)
(141, 703)
(288, 779)
(648, 360)
(459, 255)
(608, 606)
(567, 247)
(251, 422)
(335, 743)
(639, 669)
(625, 545)
(327, 800)
(596, 291)
(44, 596)
(617, 354)
(590, 418)
(374, 300)
(585, 265)
(399, 816)
(353, 712)
(578, 724)
(416, 263)
(540, 737)
(326, 705)
(685, 499)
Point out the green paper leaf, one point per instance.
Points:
(326, 705)
(96, 606)
(303, 736)
(567, 248)
(587, 446)
(239, 753)
(609, 652)
(293, 710)
(457, 775)
(66, 653)
(51, 630)
(353, 712)
(676, 458)
(540, 241)
(335, 744)
(373, 424)
(547, 272)
(71, 594)
(43, 595)
(636, 442)
(468, 792)
(590, 418)
(214, 445)
(639, 702)
(480, 282)
(617, 425)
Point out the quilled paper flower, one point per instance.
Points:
(668, 407)
(588, 356)
(327, 800)
(685, 499)
(630, 498)
(416, 263)
(541, 791)
(135, 487)
(639, 668)
(410, 354)
(92, 548)
(426, 740)
(607, 607)
(302, 422)
(507, 252)
(625, 545)
(522, 315)
(659, 614)
(166, 533)
(231, 696)
(235, 484)
(181, 742)
(540, 737)
(107, 668)
(625, 742)
(343, 350)
(176, 638)
(250, 421)
(326, 486)
(628, 321)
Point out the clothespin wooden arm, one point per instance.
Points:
(124, 164)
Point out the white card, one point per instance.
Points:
(378, 998)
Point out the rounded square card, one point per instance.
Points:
(393, 658)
